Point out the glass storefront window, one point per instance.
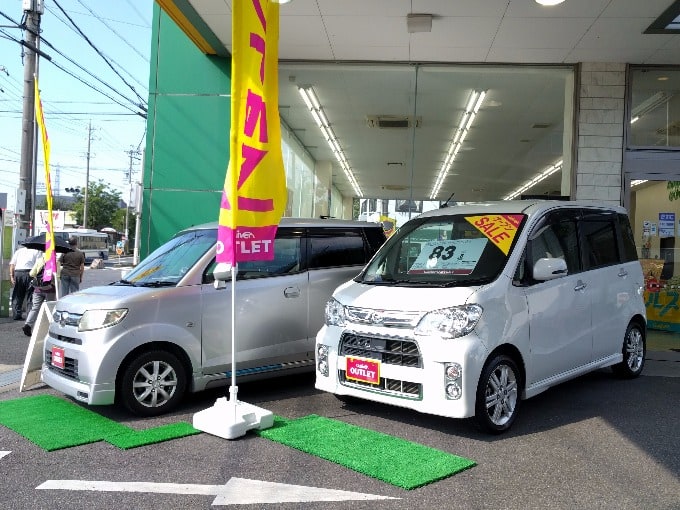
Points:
(655, 219)
(655, 108)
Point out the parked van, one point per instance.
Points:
(467, 310)
(166, 328)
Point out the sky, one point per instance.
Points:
(118, 69)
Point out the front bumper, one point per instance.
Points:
(422, 387)
(92, 394)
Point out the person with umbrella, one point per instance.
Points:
(42, 291)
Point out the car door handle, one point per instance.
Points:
(622, 273)
(291, 292)
(580, 285)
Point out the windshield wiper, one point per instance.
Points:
(156, 284)
(122, 282)
(465, 283)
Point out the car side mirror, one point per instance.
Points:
(223, 271)
(549, 269)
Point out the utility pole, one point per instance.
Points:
(131, 153)
(87, 174)
(33, 9)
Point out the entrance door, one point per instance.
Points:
(655, 218)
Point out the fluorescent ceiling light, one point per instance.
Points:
(650, 104)
(320, 119)
(473, 105)
(549, 2)
(535, 180)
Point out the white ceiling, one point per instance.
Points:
(505, 148)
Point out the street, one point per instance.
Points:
(596, 442)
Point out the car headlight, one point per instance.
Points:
(450, 322)
(335, 313)
(97, 319)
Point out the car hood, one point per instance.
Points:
(106, 297)
(408, 299)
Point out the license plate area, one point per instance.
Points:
(363, 370)
(58, 358)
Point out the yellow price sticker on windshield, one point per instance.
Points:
(500, 229)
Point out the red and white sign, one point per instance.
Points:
(364, 370)
(653, 285)
(58, 357)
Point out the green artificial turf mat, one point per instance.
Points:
(390, 459)
(53, 423)
(133, 438)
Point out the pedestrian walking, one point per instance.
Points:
(42, 291)
(20, 265)
(72, 268)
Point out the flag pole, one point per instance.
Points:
(254, 194)
(233, 389)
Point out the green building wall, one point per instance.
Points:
(187, 143)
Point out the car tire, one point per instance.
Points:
(498, 395)
(153, 383)
(634, 351)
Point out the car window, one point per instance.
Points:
(627, 239)
(286, 260)
(169, 263)
(376, 238)
(556, 238)
(336, 248)
(600, 244)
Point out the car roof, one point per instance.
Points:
(304, 223)
(528, 207)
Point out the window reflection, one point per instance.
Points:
(655, 108)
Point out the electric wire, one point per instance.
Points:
(98, 52)
(146, 59)
(58, 16)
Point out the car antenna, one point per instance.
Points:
(446, 204)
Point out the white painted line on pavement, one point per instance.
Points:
(237, 491)
(2, 454)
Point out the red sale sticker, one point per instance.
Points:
(58, 357)
(364, 370)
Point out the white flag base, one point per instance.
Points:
(230, 419)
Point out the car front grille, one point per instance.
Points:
(70, 369)
(391, 351)
(404, 389)
(388, 351)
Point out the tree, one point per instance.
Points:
(102, 204)
(673, 188)
(58, 204)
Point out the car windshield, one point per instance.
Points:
(166, 265)
(452, 250)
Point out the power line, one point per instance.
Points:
(146, 59)
(57, 15)
(99, 52)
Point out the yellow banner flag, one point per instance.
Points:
(255, 194)
(50, 254)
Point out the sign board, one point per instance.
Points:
(667, 224)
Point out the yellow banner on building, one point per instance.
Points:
(50, 254)
(254, 195)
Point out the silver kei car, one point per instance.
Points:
(165, 329)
